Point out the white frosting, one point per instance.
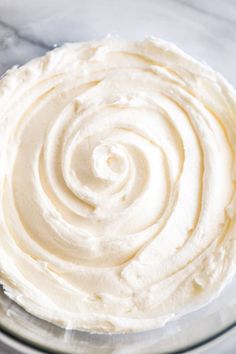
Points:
(117, 184)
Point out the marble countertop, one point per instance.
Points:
(204, 29)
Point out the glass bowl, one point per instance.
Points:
(207, 31)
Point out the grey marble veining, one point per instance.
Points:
(205, 29)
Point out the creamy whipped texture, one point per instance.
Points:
(117, 184)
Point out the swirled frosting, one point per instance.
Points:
(117, 184)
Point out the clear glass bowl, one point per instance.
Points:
(204, 29)
(185, 334)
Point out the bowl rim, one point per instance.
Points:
(13, 339)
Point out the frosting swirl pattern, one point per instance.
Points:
(117, 184)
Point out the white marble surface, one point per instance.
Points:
(205, 29)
